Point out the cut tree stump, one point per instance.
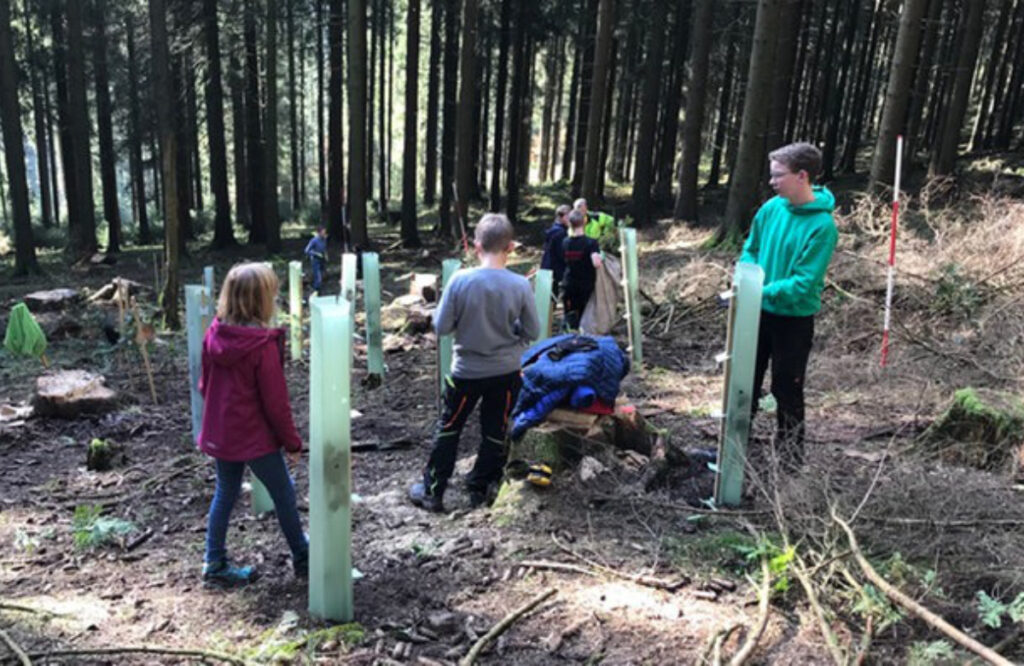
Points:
(424, 285)
(982, 428)
(69, 393)
(398, 318)
(51, 299)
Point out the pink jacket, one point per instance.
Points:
(246, 413)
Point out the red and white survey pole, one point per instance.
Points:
(890, 278)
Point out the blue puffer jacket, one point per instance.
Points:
(548, 381)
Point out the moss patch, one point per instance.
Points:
(982, 428)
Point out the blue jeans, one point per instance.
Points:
(318, 273)
(272, 470)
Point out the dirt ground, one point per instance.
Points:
(432, 583)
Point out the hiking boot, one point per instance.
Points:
(477, 499)
(419, 496)
(224, 575)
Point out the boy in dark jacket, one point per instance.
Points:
(792, 239)
(553, 258)
(316, 250)
(492, 314)
(582, 259)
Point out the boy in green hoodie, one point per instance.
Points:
(792, 239)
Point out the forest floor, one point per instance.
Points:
(433, 583)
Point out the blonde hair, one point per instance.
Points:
(248, 295)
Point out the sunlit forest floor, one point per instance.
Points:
(940, 529)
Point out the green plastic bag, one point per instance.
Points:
(24, 337)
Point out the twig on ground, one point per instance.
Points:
(1006, 642)
(950, 524)
(930, 618)
(503, 625)
(5, 605)
(754, 635)
(713, 648)
(139, 649)
(138, 541)
(641, 579)
(15, 648)
(800, 569)
(865, 641)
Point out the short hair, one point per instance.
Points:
(799, 157)
(579, 203)
(493, 232)
(248, 295)
(562, 210)
(577, 219)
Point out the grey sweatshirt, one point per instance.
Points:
(494, 318)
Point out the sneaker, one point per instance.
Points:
(418, 495)
(224, 575)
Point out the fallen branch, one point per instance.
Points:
(819, 613)
(174, 652)
(503, 625)
(930, 618)
(138, 541)
(763, 607)
(556, 640)
(713, 648)
(977, 522)
(15, 648)
(4, 605)
(640, 579)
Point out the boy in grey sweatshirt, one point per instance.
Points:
(492, 314)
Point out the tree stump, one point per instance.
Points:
(69, 393)
(982, 428)
(51, 299)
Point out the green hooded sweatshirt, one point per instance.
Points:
(793, 245)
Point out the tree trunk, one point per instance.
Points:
(944, 157)
(67, 148)
(195, 163)
(169, 148)
(223, 235)
(466, 139)
(833, 110)
(696, 94)
(357, 179)
(990, 113)
(598, 91)
(83, 237)
(14, 149)
(433, 94)
(43, 164)
(321, 167)
(254, 144)
(570, 121)
(857, 108)
(135, 136)
(1011, 111)
(625, 103)
(50, 139)
(480, 157)
(588, 25)
(515, 139)
(499, 104)
(1000, 46)
(642, 213)
(451, 62)
(724, 101)
(745, 180)
(108, 177)
(181, 122)
(273, 220)
(606, 123)
(547, 109)
(791, 13)
(382, 27)
(410, 234)
(669, 130)
(335, 170)
(293, 115)
(897, 94)
(236, 83)
(556, 131)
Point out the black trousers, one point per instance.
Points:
(786, 342)
(497, 396)
(574, 302)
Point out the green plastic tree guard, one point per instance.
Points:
(542, 297)
(208, 282)
(330, 460)
(348, 279)
(197, 319)
(295, 307)
(445, 342)
(371, 301)
(631, 288)
(738, 383)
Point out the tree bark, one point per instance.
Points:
(43, 164)
(67, 148)
(466, 169)
(223, 234)
(570, 121)
(897, 94)
(588, 20)
(410, 234)
(135, 136)
(293, 116)
(254, 143)
(83, 237)
(696, 94)
(451, 62)
(499, 104)
(273, 220)
(335, 170)
(834, 104)
(108, 177)
(169, 149)
(857, 108)
(791, 15)
(669, 130)
(598, 91)
(944, 157)
(556, 132)
(357, 180)
(642, 181)
(433, 94)
(746, 178)
(724, 101)
(515, 139)
(236, 83)
(14, 149)
(321, 167)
